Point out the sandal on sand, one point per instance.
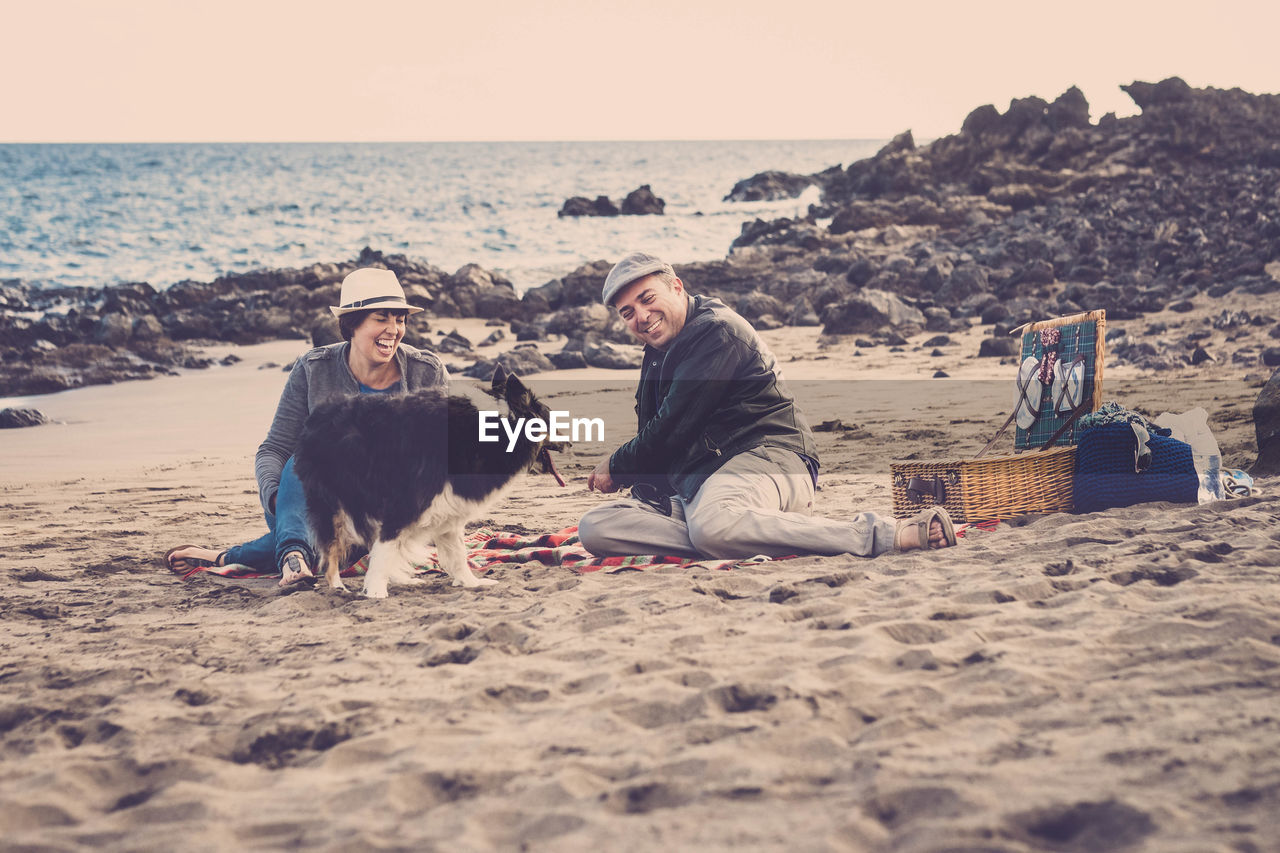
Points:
(923, 520)
(183, 564)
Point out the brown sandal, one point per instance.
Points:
(923, 520)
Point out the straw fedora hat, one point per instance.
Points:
(369, 289)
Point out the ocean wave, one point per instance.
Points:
(163, 213)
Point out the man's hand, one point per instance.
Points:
(600, 479)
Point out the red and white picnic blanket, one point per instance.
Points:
(487, 548)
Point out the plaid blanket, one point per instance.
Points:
(487, 549)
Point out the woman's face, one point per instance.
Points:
(378, 335)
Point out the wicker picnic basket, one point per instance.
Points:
(982, 489)
(999, 487)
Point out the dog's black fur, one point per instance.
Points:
(390, 471)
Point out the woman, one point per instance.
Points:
(371, 360)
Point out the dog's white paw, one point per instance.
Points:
(373, 592)
(473, 582)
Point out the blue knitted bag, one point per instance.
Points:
(1105, 477)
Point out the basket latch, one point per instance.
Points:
(935, 487)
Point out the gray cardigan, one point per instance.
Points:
(319, 376)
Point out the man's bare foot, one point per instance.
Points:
(295, 568)
(187, 557)
(909, 537)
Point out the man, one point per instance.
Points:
(723, 463)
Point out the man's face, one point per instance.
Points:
(653, 310)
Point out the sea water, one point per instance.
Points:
(99, 214)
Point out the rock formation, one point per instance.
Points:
(770, 186)
(639, 202)
(1266, 424)
(1022, 214)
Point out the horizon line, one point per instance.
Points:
(431, 141)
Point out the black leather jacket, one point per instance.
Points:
(713, 394)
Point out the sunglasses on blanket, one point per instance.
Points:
(648, 494)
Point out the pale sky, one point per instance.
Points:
(370, 70)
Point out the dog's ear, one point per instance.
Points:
(515, 389)
(499, 384)
(520, 398)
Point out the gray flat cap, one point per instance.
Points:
(632, 268)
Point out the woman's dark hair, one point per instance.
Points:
(349, 322)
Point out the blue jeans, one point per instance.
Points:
(287, 529)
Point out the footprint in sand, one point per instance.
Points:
(653, 715)
(742, 698)
(895, 809)
(1084, 827)
(517, 694)
(273, 743)
(641, 799)
(915, 633)
(460, 655)
(586, 683)
(507, 637)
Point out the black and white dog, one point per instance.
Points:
(396, 473)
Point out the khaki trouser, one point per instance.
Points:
(759, 502)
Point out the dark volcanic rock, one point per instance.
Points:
(498, 303)
(999, 347)
(568, 360)
(1035, 209)
(580, 320)
(469, 287)
(757, 304)
(770, 186)
(147, 328)
(610, 355)
(780, 232)
(870, 311)
(525, 359)
(113, 330)
(87, 336)
(1130, 215)
(966, 280)
(522, 361)
(639, 202)
(802, 314)
(324, 332)
(642, 202)
(581, 206)
(528, 331)
(937, 319)
(454, 343)
(18, 418)
(1266, 424)
(1070, 110)
(580, 287)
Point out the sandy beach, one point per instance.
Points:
(1097, 682)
